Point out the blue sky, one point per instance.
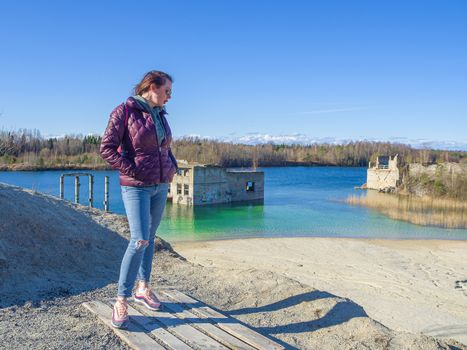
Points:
(325, 69)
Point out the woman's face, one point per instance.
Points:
(158, 96)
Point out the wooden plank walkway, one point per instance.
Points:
(182, 323)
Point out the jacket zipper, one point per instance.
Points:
(161, 176)
(160, 163)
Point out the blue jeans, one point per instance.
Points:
(144, 207)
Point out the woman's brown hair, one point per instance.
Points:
(152, 77)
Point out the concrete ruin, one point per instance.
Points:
(384, 175)
(207, 184)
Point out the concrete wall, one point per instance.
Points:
(185, 179)
(238, 185)
(212, 185)
(379, 179)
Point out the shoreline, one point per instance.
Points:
(428, 211)
(368, 239)
(28, 167)
(417, 286)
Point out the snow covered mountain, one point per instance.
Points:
(301, 139)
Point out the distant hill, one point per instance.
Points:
(27, 149)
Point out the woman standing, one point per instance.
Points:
(137, 143)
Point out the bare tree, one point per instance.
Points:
(5, 146)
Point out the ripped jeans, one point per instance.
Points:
(144, 207)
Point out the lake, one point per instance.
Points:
(299, 201)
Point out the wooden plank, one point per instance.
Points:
(133, 336)
(224, 322)
(168, 339)
(181, 329)
(202, 323)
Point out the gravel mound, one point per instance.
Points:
(49, 249)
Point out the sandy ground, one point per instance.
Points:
(414, 286)
(302, 293)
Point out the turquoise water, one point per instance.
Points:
(299, 201)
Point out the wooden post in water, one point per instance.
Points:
(77, 189)
(77, 185)
(106, 193)
(62, 193)
(91, 190)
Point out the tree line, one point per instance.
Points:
(28, 149)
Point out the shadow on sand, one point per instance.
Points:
(341, 312)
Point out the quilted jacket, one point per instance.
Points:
(142, 162)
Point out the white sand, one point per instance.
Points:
(415, 286)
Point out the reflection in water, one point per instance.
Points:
(443, 212)
(183, 222)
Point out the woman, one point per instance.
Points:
(137, 143)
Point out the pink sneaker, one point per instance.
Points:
(120, 314)
(147, 298)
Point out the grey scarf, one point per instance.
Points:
(156, 118)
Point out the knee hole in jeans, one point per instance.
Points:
(141, 244)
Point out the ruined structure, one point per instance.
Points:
(384, 175)
(207, 184)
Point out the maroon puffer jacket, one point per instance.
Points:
(143, 162)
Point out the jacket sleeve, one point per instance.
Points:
(112, 139)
